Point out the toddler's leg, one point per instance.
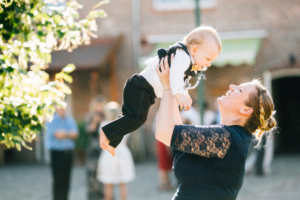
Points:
(136, 104)
(116, 142)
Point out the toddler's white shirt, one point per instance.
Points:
(180, 64)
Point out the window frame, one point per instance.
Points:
(181, 5)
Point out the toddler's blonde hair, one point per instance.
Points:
(199, 35)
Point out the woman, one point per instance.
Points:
(211, 161)
(93, 119)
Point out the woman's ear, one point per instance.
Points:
(246, 111)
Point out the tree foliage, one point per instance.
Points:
(29, 31)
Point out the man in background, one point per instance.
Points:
(60, 136)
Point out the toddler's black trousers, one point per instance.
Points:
(138, 96)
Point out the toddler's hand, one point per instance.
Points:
(183, 102)
(189, 98)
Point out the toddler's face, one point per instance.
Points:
(203, 55)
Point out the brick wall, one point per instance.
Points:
(83, 90)
(117, 22)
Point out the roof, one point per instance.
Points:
(85, 57)
(232, 35)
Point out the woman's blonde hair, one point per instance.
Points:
(199, 35)
(112, 110)
(262, 118)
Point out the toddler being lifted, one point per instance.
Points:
(198, 49)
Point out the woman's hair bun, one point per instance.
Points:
(271, 123)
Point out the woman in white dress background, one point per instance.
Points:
(119, 169)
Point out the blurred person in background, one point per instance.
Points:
(209, 116)
(119, 169)
(164, 162)
(92, 121)
(192, 115)
(218, 117)
(259, 160)
(60, 135)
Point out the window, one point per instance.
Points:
(170, 5)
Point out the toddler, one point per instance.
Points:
(198, 49)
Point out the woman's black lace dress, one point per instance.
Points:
(211, 160)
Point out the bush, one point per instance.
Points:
(82, 139)
(29, 31)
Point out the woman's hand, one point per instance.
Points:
(168, 109)
(164, 73)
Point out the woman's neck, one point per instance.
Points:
(231, 119)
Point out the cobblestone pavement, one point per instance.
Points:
(33, 182)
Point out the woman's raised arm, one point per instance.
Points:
(205, 141)
(168, 114)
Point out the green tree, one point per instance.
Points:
(29, 31)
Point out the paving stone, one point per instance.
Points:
(33, 182)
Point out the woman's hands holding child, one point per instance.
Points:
(164, 73)
(184, 101)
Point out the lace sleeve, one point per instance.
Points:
(206, 141)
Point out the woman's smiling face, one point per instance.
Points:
(234, 99)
